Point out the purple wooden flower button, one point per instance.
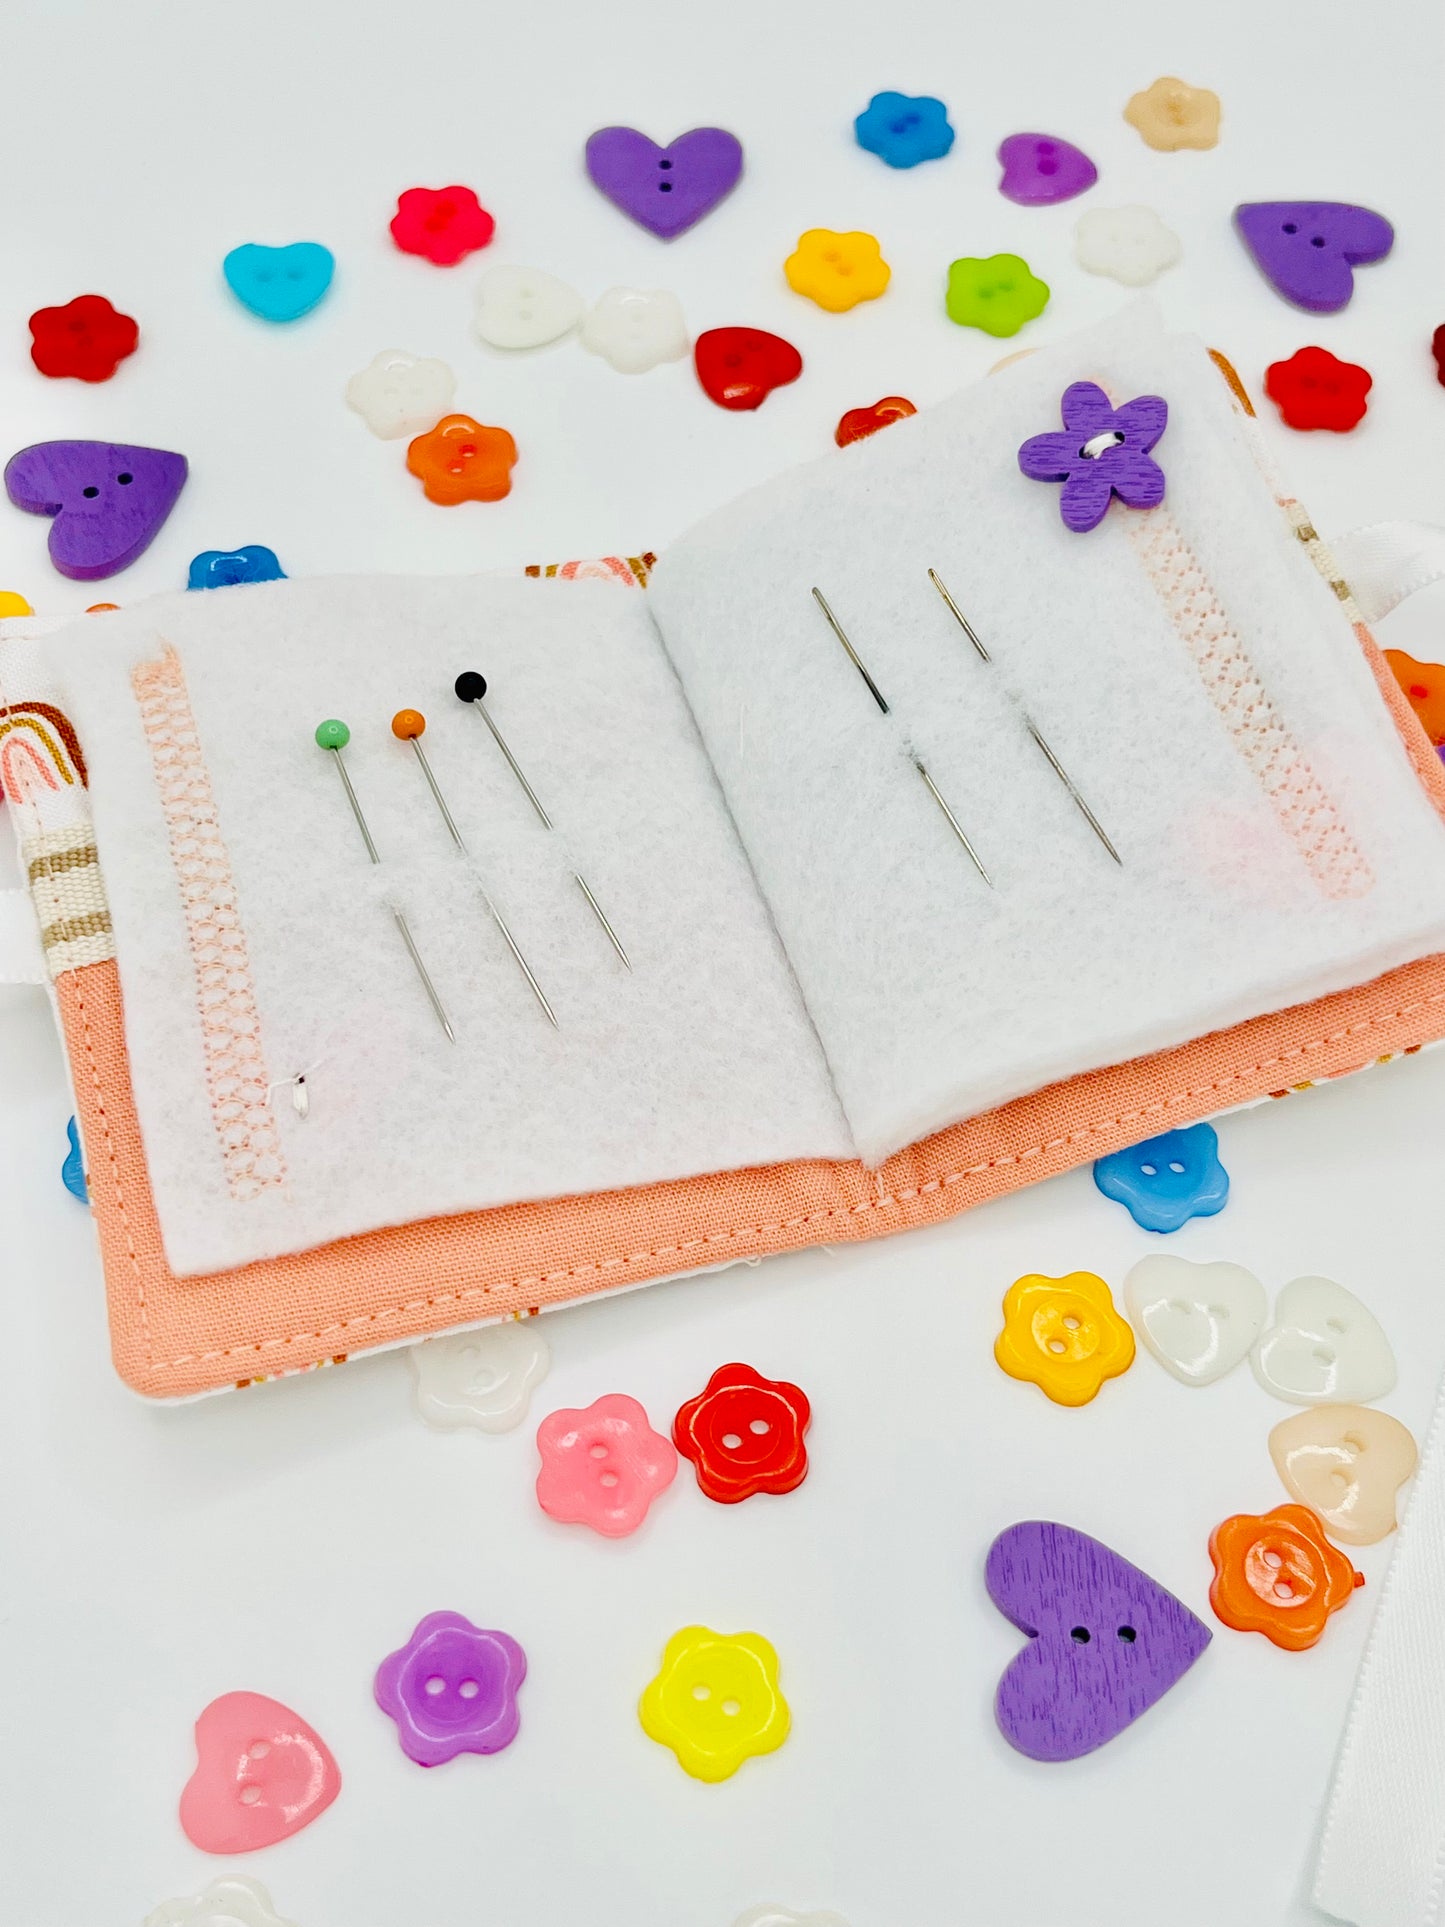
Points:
(108, 500)
(667, 189)
(1101, 452)
(1105, 1640)
(452, 1689)
(1308, 250)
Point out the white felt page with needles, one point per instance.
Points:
(1191, 670)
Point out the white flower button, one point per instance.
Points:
(482, 1378)
(1347, 1463)
(231, 1902)
(1198, 1320)
(1323, 1345)
(525, 308)
(1129, 244)
(401, 394)
(771, 1916)
(636, 328)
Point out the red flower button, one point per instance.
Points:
(1313, 389)
(87, 338)
(441, 223)
(859, 422)
(744, 1434)
(1437, 348)
(740, 367)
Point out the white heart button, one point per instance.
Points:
(1346, 1462)
(636, 328)
(482, 1378)
(1323, 1345)
(401, 394)
(1198, 1320)
(525, 308)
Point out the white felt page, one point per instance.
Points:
(702, 1058)
(935, 996)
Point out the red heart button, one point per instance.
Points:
(262, 1774)
(859, 422)
(740, 367)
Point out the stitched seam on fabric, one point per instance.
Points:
(140, 1286)
(245, 1125)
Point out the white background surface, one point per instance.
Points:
(286, 1539)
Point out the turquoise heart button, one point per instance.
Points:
(279, 284)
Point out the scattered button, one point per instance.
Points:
(837, 270)
(1346, 1463)
(1315, 390)
(1437, 349)
(1424, 685)
(108, 500)
(442, 224)
(740, 367)
(87, 339)
(771, 1915)
(400, 394)
(1128, 244)
(234, 1902)
(1277, 1574)
(1105, 1641)
(904, 129)
(1323, 1345)
(743, 1434)
(461, 461)
(1102, 452)
(222, 568)
(525, 308)
(859, 423)
(716, 1701)
(1041, 169)
(1171, 114)
(602, 1467)
(452, 1689)
(14, 604)
(279, 284)
(665, 189)
(262, 1774)
(1200, 1321)
(1308, 250)
(483, 1378)
(635, 329)
(1168, 1179)
(997, 293)
(1063, 1335)
(72, 1171)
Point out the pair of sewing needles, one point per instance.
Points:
(1030, 725)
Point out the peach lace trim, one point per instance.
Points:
(236, 1076)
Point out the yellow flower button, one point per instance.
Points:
(837, 270)
(716, 1701)
(12, 604)
(1171, 114)
(1063, 1335)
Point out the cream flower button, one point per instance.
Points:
(770, 1916)
(232, 1902)
(1198, 1320)
(525, 308)
(1345, 1462)
(1323, 1345)
(636, 328)
(400, 394)
(1129, 244)
(482, 1378)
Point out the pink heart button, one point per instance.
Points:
(261, 1775)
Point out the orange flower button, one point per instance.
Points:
(1424, 684)
(1063, 1335)
(461, 461)
(1278, 1575)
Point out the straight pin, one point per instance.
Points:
(877, 694)
(333, 736)
(471, 687)
(1029, 724)
(407, 725)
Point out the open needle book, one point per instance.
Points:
(833, 1026)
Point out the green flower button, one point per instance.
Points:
(998, 295)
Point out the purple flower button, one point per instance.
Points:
(1101, 452)
(452, 1689)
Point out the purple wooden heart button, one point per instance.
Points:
(1308, 250)
(667, 189)
(1105, 1640)
(108, 499)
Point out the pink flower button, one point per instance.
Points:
(602, 1467)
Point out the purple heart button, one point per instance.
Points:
(1039, 169)
(1105, 1641)
(1308, 250)
(665, 188)
(108, 500)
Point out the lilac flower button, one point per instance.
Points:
(1101, 452)
(452, 1689)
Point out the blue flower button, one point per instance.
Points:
(219, 568)
(72, 1172)
(1168, 1179)
(279, 284)
(904, 129)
